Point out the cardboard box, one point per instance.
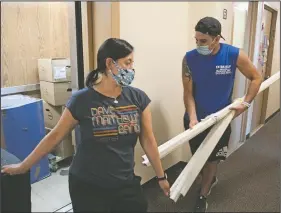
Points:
(54, 69)
(56, 94)
(65, 149)
(52, 114)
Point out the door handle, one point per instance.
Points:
(267, 77)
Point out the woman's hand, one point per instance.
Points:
(165, 186)
(14, 169)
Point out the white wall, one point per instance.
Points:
(274, 90)
(240, 10)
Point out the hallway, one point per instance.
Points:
(249, 181)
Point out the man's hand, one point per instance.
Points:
(239, 109)
(192, 123)
(165, 186)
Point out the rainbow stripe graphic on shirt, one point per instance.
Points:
(110, 121)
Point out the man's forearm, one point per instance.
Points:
(189, 104)
(253, 90)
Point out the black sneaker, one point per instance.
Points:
(214, 182)
(201, 204)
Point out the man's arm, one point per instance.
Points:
(247, 68)
(188, 98)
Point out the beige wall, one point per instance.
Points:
(274, 90)
(198, 10)
(161, 33)
(102, 24)
(227, 24)
(106, 23)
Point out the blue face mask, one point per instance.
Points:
(124, 77)
(204, 50)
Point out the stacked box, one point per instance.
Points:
(55, 80)
(55, 88)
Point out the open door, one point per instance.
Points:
(269, 18)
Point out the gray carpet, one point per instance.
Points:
(249, 180)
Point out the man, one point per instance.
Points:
(208, 74)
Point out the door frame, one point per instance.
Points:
(249, 47)
(83, 35)
(255, 15)
(268, 68)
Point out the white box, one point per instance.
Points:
(54, 69)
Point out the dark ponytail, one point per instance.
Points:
(113, 48)
(92, 77)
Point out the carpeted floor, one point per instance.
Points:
(249, 180)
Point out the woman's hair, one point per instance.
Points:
(112, 48)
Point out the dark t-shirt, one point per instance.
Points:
(109, 132)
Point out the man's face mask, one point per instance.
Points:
(204, 50)
(124, 77)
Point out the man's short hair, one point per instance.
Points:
(209, 26)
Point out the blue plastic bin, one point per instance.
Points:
(23, 127)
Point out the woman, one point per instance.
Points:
(112, 115)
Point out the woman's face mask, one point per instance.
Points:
(124, 77)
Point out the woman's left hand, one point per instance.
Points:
(165, 186)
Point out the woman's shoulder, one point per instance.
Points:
(137, 95)
(82, 93)
(134, 91)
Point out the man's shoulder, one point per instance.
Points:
(191, 53)
(230, 50)
(229, 47)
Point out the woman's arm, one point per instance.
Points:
(46, 145)
(149, 143)
(150, 148)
